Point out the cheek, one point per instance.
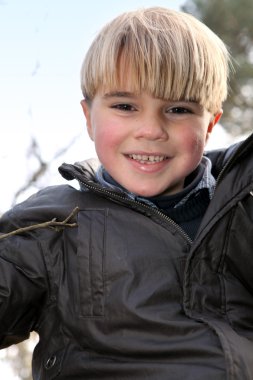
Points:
(192, 145)
(196, 139)
(199, 144)
(106, 138)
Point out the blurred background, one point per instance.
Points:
(42, 45)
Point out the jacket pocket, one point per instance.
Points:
(90, 257)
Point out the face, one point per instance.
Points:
(148, 145)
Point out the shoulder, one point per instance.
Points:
(242, 150)
(51, 202)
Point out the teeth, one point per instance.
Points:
(147, 159)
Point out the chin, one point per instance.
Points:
(147, 193)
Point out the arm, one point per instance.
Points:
(30, 242)
(23, 283)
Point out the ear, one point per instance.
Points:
(215, 119)
(87, 113)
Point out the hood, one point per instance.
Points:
(83, 169)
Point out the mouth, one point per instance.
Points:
(147, 159)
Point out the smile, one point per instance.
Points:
(147, 159)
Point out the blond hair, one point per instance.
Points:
(167, 53)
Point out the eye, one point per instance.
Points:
(124, 107)
(179, 110)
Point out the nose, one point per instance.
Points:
(151, 128)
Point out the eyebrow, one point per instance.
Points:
(120, 94)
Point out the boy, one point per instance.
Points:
(152, 279)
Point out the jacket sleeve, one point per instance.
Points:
(23, 281)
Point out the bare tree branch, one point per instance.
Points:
(34, 151)
(51, 223)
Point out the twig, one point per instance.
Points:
(51, 223)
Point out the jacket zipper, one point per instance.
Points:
(133, 202)
(223, 170)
